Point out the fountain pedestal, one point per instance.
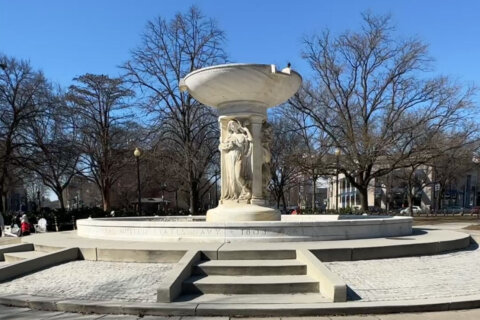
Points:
(242, 93)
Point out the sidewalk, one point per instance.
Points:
(26, 314)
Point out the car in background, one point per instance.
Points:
(356, 208)
(415, 210)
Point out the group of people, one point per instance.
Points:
(21, 226)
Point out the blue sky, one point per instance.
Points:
(69, 38)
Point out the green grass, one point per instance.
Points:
(444, 219)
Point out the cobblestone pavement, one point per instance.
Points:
(446, 275)
(94, 280)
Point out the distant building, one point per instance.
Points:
(390, 191)
(81, 192)
(16, 199)
(301, 193)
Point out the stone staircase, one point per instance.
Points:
(19, 256)
(268, 276)
(9, 252)
(23, 258)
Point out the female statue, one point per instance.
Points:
(237, 148)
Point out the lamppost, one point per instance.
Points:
(137, 153)
(337, 154)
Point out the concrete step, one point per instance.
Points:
(242, 254)
(289, 298)
(250, 284)
(19, 256)
(250, 267)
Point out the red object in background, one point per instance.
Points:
(25, 228)
(294, 212)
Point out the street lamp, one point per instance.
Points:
(337, 154)
(137, 153)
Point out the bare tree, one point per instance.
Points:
(53, 148)
(169, 51)
(451, 165)
(416, 178)
(313, 146)
(35, 190)
(21, 92)
(100, 103)
(370, 95)
(286, 147)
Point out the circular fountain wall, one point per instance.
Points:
(290, 228)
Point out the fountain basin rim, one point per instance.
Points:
(233, 65)
(241, 87)
(198, 221)
(291, 229)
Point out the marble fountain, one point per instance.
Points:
(243, 258)
(242, 93)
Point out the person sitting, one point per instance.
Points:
(25, 226)
(42, 225)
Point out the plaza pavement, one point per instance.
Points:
(25, 313)
(443, 276)
(8, 313)
(93, 280)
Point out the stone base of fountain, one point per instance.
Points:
(237, 211)
(289, 228)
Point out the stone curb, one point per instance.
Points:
(26, 266)
(331, 285)
(213, 309)
(344, 250)
(172, 287)
(17, 247)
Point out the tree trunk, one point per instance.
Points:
(193, 198)
(4, 203)
(284, 202)
(439, 199)
(387, 194)
(364, 198)
(410, 201)
(314, 205)
(59, 193)
(3, 193)
(106, 198)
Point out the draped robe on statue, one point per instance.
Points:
(237, 149)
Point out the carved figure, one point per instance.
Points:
(267, 135)
(237, 148)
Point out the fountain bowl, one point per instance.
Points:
(228, 84)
